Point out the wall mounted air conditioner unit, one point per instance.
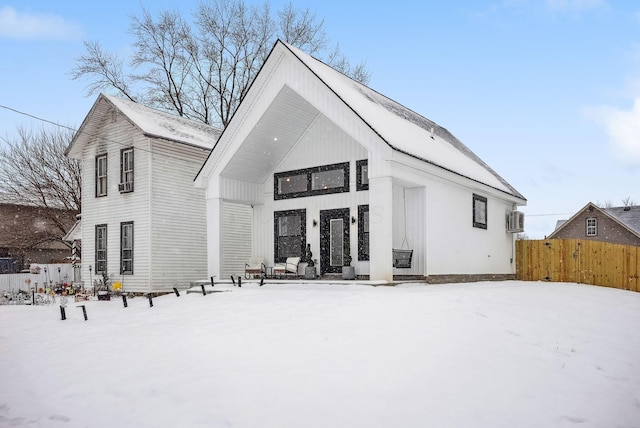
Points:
(515, 222)
(125, 187)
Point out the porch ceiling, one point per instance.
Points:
(272, 137)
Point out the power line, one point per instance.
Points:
(37, 118)
(93, 135)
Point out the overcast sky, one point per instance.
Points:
(547, 92)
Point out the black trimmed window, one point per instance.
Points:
(591, 226)
(101, 248)
(126, 170)
(126, 248)
(363, 232)
(362, 175)
(479, 211)
(289, 231)
(101, 175)
(319, 180)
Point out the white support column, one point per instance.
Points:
(214, 236)
(381, 229)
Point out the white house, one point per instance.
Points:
(313, 157)
(143, 221)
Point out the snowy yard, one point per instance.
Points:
(496, 354)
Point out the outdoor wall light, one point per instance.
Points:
(353, 220)
(315, 222)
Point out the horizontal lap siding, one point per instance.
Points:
(178, 219)
(116, 207)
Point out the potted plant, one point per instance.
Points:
(310, 269)
(348, 271)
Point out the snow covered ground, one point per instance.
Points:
(495, 354)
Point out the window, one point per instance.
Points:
(363, 232)
(320, 180)
(101, 248)
(101, 175)
(592, 226)
(126, 248)
(126, 170)
(479, 211)
(362, 175)
(289, 234)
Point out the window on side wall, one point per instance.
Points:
(479, 211)
(126, 248)
(289, 234)
(592, 226)
(126, 170)
(362, 175)
(101, 248)
(101, 175)
(363, 232)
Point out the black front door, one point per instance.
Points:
(334, 239)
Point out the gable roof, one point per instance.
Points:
(405, 130)
(151, 123)
(627, 217)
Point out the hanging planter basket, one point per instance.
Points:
(402, 258)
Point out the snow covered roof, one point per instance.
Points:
(151, 122)
(403, 129)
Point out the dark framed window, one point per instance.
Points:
(363, 232)
(479, 211)
(126, 248)
(319, 180)
(126, 170)
(290, 238)
(101, 175)
(362, 175)
(592, 226)
(101, 248)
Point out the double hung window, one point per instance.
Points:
(101, 175)
(126, 248)
(101, 248)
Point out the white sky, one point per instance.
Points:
(545, 92)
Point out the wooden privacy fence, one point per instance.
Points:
(579, 260)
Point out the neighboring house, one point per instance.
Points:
(311, 156)
(618, 225)
(143, 221)
(30, 234)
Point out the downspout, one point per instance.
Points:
(150, 211)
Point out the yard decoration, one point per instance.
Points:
(348, 271)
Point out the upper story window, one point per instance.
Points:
(101, 175)
(592, 226)
(320, 180)
(362, 175)
(126, 170)
(479, 211)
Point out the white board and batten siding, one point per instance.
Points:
(177, 216)
(236, 238)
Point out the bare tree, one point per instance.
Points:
(202, 71)
(628, 202)
(34, 171)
